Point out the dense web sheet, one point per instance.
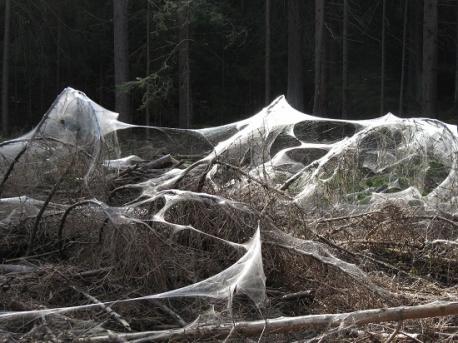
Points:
(322, 163)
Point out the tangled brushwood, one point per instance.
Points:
(282, 227)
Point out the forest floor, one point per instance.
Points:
(84, 259)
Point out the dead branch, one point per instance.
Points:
(45, 205)
(171, 313)
(11, 167)
(16, 268)
(261, 183)
(394, 333)
(296, 324)
(115, 315)
(439, 218)
(297, 295)
(359, 215)
(64, 218)
(25, 147)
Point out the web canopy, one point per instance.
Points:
(321, 164)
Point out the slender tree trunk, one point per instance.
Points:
(403, 59)
(58, 47)
(148, 58)
(295, 93)
(121, 57)
(456, 57)
(345, 59)
(429, 81)
(326, 50)
(16, 83)
(5, 68)
(29, 59)
(319, 47)
(267, 55)
(42, 78)
(382, 66)
(415, 52)
(185, 109)
(220, 114)
(101, 83)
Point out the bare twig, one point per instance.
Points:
(395, 333)
(11, 167)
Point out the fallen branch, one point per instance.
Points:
(115, 315)
(438, 218)
(171, 313)
(261, 183)
(16, 268)
(352, 216)
(297, 295)
(296, 324)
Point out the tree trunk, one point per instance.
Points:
(326, 53)
(415, 53)
(382, 63)
(267, 55)
(184, 77)
(456, 57)
(403, 59)
(121, 57)
(58, 47)
(429, 57)
(220, 114)
(345, 59)
(5, 68)
(148, 64)
(319, 47)
(295, 93)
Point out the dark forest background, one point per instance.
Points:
(206, 62)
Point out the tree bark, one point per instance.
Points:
(319, 48)
(5, 68)
(148, 58)
(267, 55)
(382, 63)
(429, 81)
(297, 324)
(295, 93)
(121, 57)
(403, 58)
(58, 47)
(415, 51)
(184, 71)
(456, 57)
(344, 59)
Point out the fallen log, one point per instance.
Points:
(296, 324)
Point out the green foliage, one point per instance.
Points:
(435, 174)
